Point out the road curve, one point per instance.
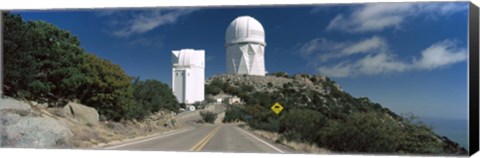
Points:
(207, 137)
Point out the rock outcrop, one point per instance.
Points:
(28, 124)
(161, 118)
(9, 105)
(21, 127)
(37, 132)
(82, 113)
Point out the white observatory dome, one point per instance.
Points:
(245, 29)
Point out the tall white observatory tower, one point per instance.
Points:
(245, 43)
(188, 75)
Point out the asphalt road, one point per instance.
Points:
(205, 137)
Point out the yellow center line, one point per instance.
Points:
(199, 146)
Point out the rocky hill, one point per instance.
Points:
(319, 112)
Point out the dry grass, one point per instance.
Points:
(87, 135)
(105, 132)
(296, 146)
(304, 147)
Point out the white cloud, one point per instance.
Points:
(365, 46)
(379, 16)
(328, 49)
(376, 58)
(373, 64)
(320, 44)
(380, 63)
(441, 54)
(127, 23)
(340, 70)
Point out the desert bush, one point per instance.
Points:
(270, 124)
(233, 113)
(359, 132)
(302, 124)
(213, 88)
(414, 130)
(270, 84)
(208, 116)
(210, 99)
(262, 118)
(372, 132)
(279, 74)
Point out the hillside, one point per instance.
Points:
(319, 112)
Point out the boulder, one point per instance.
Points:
(11, 105)
(82, 113)
(37, 132)
(9, 118)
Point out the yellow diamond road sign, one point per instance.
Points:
(277, 108)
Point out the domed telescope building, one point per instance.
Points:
(188, 75)
(245, 44)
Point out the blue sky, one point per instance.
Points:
(410, 57)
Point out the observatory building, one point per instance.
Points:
(188, 75)
(245, 44)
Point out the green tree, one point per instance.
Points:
(107, 88)
(17, 59)
(233, 113)
(41, 61)
(152, 96)
(215, 87)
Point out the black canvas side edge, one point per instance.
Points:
(1, 71)
(473, 78)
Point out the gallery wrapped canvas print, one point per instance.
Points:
(359, 78)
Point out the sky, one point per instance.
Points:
(409, 57)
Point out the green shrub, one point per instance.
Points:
(414, 130)
(262, 118)
(208, 116)
(270, 84)
(359, 132)
(151, 96)
(279, 74)
(233, 113)
(303, 122)
(183, 105)
(212, 89)
(271, 124)
(210, 99)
